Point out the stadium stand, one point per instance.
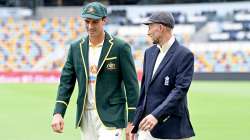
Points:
(26, 44)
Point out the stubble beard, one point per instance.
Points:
(156, 41)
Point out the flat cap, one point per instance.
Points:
(94, 10)
(164, 18)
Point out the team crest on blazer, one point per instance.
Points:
(166, 83)
(111, 66)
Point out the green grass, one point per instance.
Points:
(219, 111)
(26, 113)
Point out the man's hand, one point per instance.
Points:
(128, 131)
(148, 123)
(57, 123)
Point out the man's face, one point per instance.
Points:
(154, 32)
(95, 27)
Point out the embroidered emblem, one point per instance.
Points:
(91, 10)
(111, 66)
(166, 83)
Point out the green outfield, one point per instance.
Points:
(219, 111)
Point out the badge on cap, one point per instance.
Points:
(91, 10)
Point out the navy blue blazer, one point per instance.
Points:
(165, 94)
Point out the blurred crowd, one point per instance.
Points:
(41, 44)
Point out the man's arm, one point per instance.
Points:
(138, 111)
(66, 87)
(130, 79)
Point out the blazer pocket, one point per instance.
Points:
(111, 58)
(165, 119)
(117, 100)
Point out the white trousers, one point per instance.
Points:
(93, 129)
(145, 135)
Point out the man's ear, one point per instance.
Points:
(105, 19)
(162, 27)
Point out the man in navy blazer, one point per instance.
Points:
(162, 111)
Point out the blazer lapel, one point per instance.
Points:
(85, 53)
(107, 45)
(165, 60)
(152, 56)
